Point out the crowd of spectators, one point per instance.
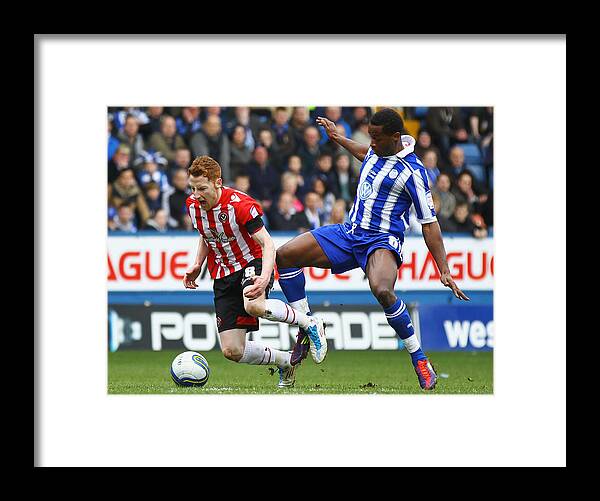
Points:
(280, 157)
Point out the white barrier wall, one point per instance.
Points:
(157, 263)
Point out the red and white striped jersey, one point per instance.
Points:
(231, 246)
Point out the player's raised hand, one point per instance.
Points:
(189, 279)
(447, 280)
(327, 124)
(255, 290)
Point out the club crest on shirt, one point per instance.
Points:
(223, 216)
(365, 190)
(393, 174)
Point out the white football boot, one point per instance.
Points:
(318, 341)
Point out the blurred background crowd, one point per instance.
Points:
(280, 157)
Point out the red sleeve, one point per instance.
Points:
(246, 210)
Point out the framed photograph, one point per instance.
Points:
(210, 209)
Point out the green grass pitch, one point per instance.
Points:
(342, 372)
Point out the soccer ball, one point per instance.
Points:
(190, 369)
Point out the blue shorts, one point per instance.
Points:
(348, 249)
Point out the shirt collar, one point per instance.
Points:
(409, 146)
(224, 195)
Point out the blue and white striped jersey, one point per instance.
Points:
(387, 188)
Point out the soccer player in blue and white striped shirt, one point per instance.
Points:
(392, 178)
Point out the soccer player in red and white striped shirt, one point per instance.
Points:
(241, 258)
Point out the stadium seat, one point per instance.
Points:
(478, 172)
(472, 153)
(420, 111)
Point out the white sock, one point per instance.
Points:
(278, 311)
(256, 353)
(301, 305)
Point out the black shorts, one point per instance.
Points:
(229, 299)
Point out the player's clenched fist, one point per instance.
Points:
(189, 279)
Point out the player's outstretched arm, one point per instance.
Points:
(358, 150)
(433, 238)
(189, 279)
(261, 282)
